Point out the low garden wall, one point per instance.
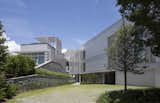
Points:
(36, 81)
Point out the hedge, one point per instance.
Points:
(131, 96)
(51, 73)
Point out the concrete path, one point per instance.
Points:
(72, 94)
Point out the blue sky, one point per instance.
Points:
(73, 21)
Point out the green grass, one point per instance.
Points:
(36, 92)
(61, 88)
(51, 73)
(139, 95)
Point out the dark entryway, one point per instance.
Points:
(77, 77)
(110, 78)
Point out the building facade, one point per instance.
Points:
(96, 61)
(40, 52)
(46, 53)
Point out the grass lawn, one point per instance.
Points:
(69, 93)
(143, 95)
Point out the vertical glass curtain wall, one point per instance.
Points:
(39, 58)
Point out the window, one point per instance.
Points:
(84, 67)
(84, 55)
(39, 58)
(67, 66)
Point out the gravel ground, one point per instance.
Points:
(73, 94)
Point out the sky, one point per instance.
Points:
(73, 21)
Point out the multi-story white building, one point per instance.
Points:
(46, 53)
(94, 59)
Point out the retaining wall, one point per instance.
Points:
(36, 81)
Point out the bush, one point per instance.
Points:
(131, 96)
(19, 65)
(2, 93)
(11, 91)
(51, 73)
(6, 91)
(3, 85)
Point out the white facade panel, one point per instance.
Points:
(146, 79)
(34, 48)
(96, 50)
(74, 59)
(157, 77)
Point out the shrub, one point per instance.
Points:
(6, 91)
(51, 73)
(131, 96)
(19, 65)
(11, 91)
(2, 86)
(2, 93)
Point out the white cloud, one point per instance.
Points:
(64, 50)
(5, 36)
(13, 47)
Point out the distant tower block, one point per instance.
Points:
(53, 41)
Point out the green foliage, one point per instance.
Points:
(3, 54)
(11, 90)
(51, 73)
(131, 96)
(19, 65)
(3, 49)
(2, 87)
(6, 90)
(125, 50)
(144, 13)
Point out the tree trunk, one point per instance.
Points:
(125, 79)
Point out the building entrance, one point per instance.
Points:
(110, 78)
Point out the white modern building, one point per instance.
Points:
(46, 52)
(92, 58)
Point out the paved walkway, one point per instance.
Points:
(73, 94)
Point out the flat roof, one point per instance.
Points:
(38, 44)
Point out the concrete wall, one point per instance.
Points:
(157, 77)
(96, 50)
(74, 59)
(146, 79)
(30, 82)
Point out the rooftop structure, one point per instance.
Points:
(45, 51)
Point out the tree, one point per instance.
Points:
(144, 13)
(125, 51)
(3, 54)
(19, 65)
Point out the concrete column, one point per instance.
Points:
(79, 78)
(103, 78)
